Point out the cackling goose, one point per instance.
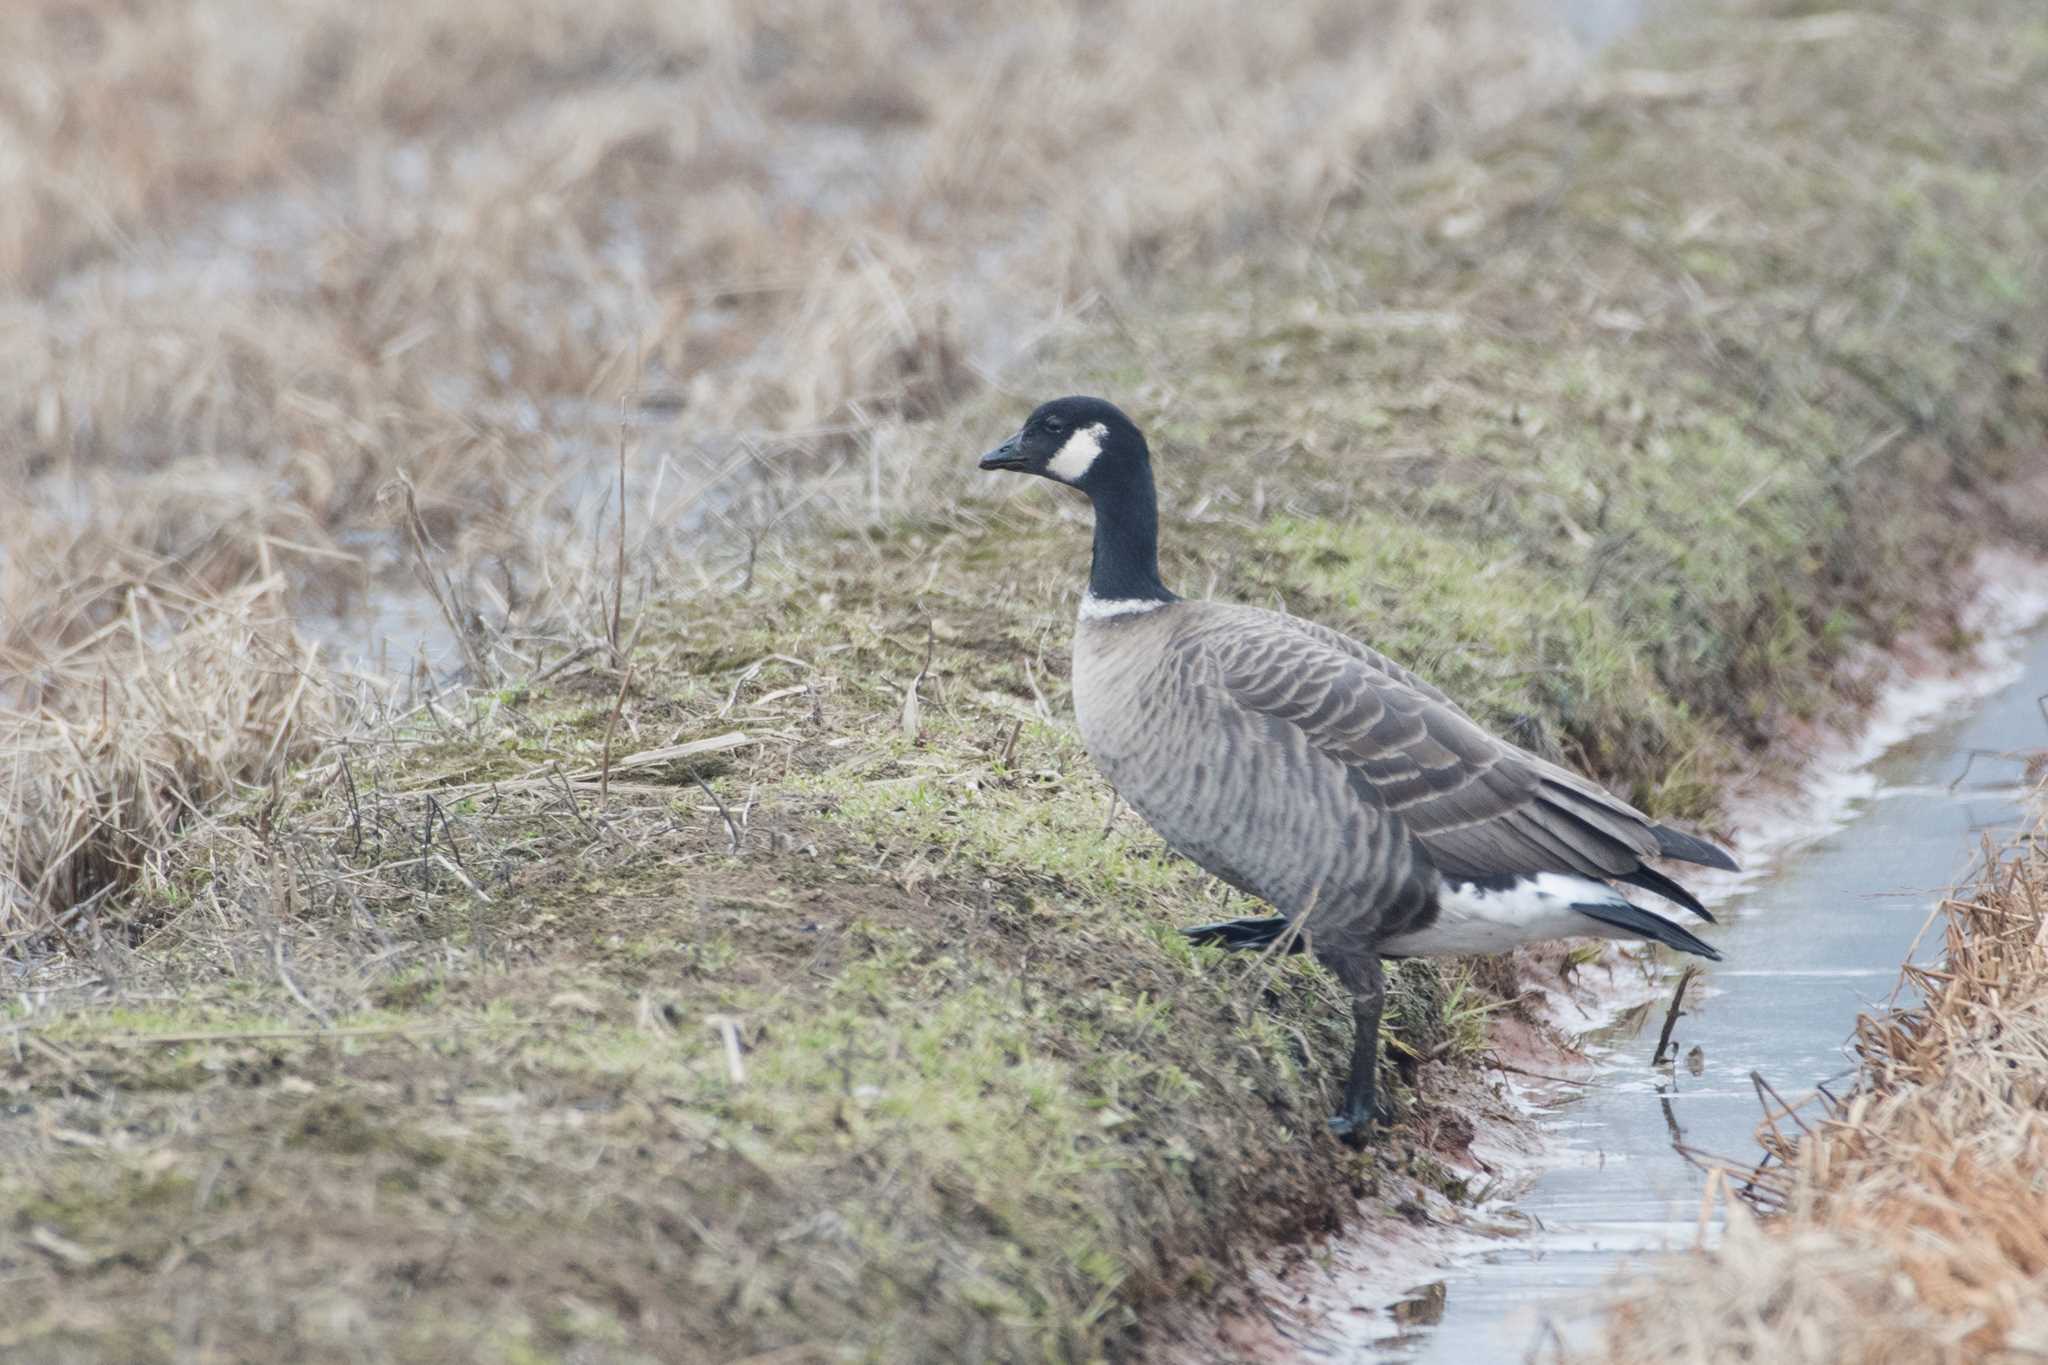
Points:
(1313, 772)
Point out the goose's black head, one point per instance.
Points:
(1091, 445)
(1086, 442)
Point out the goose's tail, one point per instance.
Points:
(1641, 923)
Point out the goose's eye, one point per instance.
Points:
(1055, 425)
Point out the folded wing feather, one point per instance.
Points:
(1477, 805)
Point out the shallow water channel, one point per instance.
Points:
(1809, 944)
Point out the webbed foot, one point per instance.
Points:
(1243, 934)
(1358, 1129)
(1353, 1134)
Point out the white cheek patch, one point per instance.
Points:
(1078, 453)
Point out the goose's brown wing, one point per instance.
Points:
(1477, 805)
(1558, 785)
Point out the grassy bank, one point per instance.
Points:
(769, 975)
(1905, 1220)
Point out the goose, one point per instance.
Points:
(1309, 770)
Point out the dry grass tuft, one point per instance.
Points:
(1909, 1221)
(117, 741)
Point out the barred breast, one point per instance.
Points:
(1241, 793)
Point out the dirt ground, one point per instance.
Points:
(745, 962)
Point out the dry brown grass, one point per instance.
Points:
(261, 260)
(1907, 1221)
(428, 238)
(195, 704)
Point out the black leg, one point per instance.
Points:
(1244, 933)
(1362, 1103)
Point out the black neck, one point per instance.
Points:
(1126, 563)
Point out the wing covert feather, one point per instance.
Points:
(1477, 805)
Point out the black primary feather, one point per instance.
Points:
(1676, 843)
(1641, 922)
(1650, 879)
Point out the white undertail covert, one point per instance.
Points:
(1476, 919)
